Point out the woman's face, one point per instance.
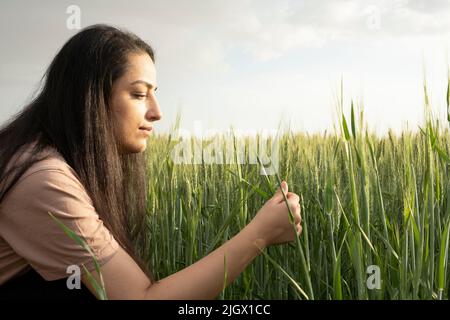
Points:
(134, 105)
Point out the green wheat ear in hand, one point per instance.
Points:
(99, 288)
(303, 263)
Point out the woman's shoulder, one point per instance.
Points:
(50, 171)
(52, 186)
(51, 161)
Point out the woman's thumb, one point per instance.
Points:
(284, 185)
(279, 195)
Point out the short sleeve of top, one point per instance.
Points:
(30, 231)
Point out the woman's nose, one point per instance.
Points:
(154, 112)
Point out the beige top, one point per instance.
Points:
(29, 237)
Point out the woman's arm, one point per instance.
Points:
(204, 279)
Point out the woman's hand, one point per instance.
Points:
(272, 223)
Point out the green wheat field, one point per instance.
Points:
(366, 201)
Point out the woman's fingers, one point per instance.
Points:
(299, 213)
(294, 204)
(299, 228)
(297, 216)
(292, 196)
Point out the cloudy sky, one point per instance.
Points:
(253, 64)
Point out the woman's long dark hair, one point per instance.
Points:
(72, 114)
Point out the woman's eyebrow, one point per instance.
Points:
(148, 85)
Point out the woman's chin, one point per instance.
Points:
(137, 147)
(143, 146)
(140, 147)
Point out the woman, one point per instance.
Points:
(77, 151)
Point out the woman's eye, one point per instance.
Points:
(139, 95)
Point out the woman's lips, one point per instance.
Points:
(146, 130)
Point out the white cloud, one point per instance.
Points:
(213, 53)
